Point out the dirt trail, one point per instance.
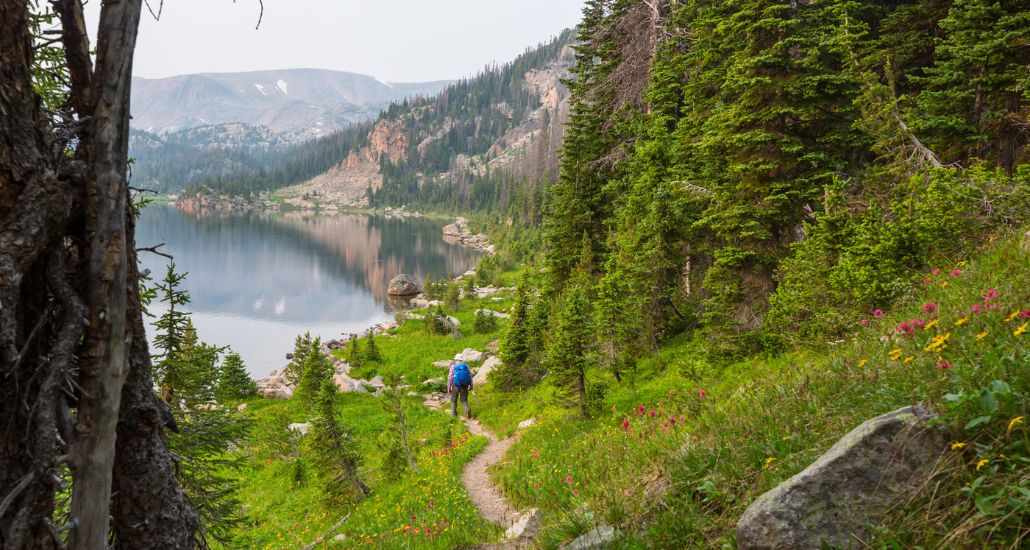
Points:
(487, 497)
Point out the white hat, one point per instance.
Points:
(459, 357)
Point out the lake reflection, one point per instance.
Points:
(257, 279)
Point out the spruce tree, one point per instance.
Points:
(317, 369)
(355, 357)
(396, 437)
(372, 350)
(234, 382)
(301, 346)
(453, 295)
(514, 345)
(334, 455)
(569, 352)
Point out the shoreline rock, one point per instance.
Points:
(458, 233)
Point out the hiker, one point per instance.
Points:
(459, 384)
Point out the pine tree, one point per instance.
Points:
(372, 350)
(569, 352)
(317, 369)
(453, 295)
(234, 382)
(974, 104)
(396, 438)
(514, 345)
(334, 455)
(355, 357)
(301, 346)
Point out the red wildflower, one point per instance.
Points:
(930, 307)
(536, 453)
(1025, 314)
(878, 313)
(956, 272)
(702, 393)
(640, 409)
(935, 271)
(672, 419)
(917, 323)
(536, 485)
(977, 308)
(864, 322)
(991, 293)
(575, 491)
(651, 413)
(943, 364)
(665, 424)
(625, 424)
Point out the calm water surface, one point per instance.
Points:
(257, 280)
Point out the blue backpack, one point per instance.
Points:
(462, 376)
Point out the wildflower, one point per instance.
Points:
(1015, 422)
(957, 445)
(935, 271)
(977, 308)
(961, 264)
(1024, 314)
(862, 363)
(568, 480)
(864, 322)
(1013, 316)
(983, 462)
(1020, 330)
(991, 293)
(908, 360)
(575, 492)
(917, 323)
(944, 284)
(702, 393)
(625, 424)
(785, 438)
(672, 420)
(931, 324)
(906, 329)
(536, 454)
(895, 353)
(956, 272)
(536, 485)
(769, 461)
(981, 335)
(878, 313)
(943, 363)
(651, 413)
(930, 307)
(641, 409)
(938, 342)
(961, 321)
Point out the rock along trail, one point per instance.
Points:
(475, 477)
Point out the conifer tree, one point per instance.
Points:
(569, 352)
(453, 295)
(514, 345)
(355, 357)
(234, 382)
(317, 369)
(372, 349)
(301, 346)
(396, 438)
(333, 453)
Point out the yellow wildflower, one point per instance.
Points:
(961, 321)
(982, 335)
(895, 353)
(983, 462)
(957, 445)
(908, 360)
(769, 461)
(938, 343)
(961, 264)
(1021, 329)
(931, 324)
(1013, 316)
(1015, 422)
(944, 284)
(862, 363)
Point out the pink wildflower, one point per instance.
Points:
(935, 271)
(930, 307)
(672, 420)
(575, 491)
(665, 424)
(944, 364)
(977, 308)
(640, 409)
(702, 393)
(568, 480)
(878, 313)
(625, 424)
(1025, 314)
(991, 293)
(864, 322)
(917, 323)
(956, 272)
(651, 413)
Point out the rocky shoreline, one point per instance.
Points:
(459, 233)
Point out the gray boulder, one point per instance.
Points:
(848, 488)
(484, 371)
(596, 539)
(526, 527)
(403, 285)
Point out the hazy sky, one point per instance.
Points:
(395, 40)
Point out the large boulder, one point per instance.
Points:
(484, 370)
(526, 527)
(403, 285)
(840, 494)
(469, 354)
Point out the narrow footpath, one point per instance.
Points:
(488, 497)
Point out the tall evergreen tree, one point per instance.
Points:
(234, 382)
(569, 353)
(317, 369)
(333, 453)
(301, 346)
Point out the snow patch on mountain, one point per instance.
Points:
(281, 84)
(261, 89)
(381, 81)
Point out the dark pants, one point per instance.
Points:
(463, 393)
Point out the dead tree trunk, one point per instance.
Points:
(75, 382)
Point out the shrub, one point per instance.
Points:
(485, 323)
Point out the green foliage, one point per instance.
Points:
(301, 346)
(355, 358)
(436, 321)
(452, 296)
(485, 322)
(317, 370)
(569, 352)
(234, 382)
(395, 439)
(521, 346)
(333, 454)
(372, 350)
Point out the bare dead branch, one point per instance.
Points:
(154, 250)
(321, 538)
(22, 484)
